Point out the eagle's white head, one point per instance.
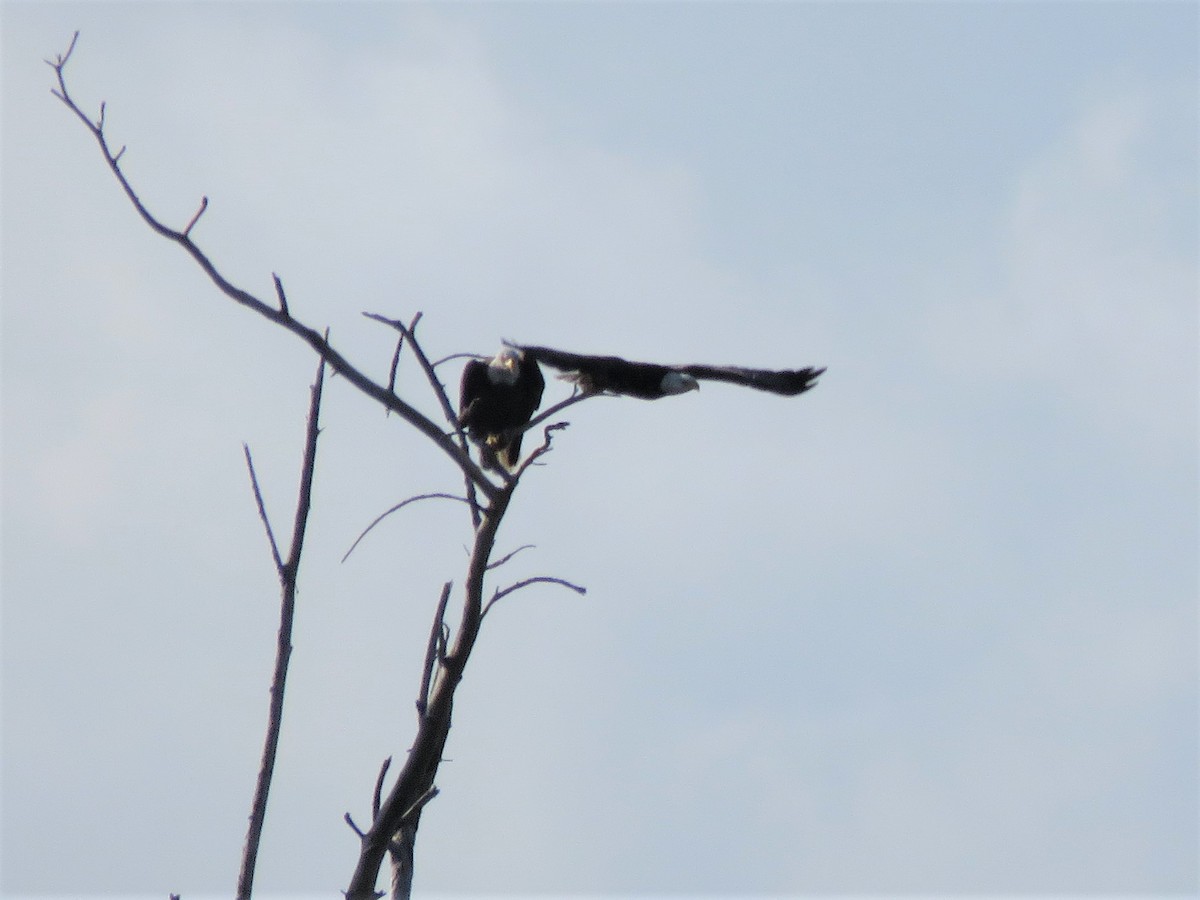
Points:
(505, 366)
(679, 383)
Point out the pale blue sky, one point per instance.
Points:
(931, 628)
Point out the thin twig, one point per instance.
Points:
(377, 797)
(262, 511)
(399, 506)
(349, 820)
(502, 560)
(196, 217)
(559, 407)
(432, 651)
(416, 808)
(310, 458)
(439, 391)
(400, 346)
(540, 579)
(541, 451)
(283, 307)
(61, 59)
(446, 359)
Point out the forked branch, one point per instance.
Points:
(409, 333)
(288, 571)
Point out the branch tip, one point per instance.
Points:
(262, 512)
(377, 798)
(540, 579)
(362, 835)
(203, 203)
(283, 306)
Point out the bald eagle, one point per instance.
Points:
(497, 399)
(611, 374)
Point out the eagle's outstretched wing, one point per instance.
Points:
(604, 373)
(788, 382)
(646, 380)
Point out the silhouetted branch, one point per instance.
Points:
(402, 848)
(196, 218)
(319, 343)
(538, 452)
(262, 512)
(287, 571)
(397, 507)
(378, 796)
(540, 579)
(400, 346)
(502, 560)
(439, 391)
(559, 407)
(446, 359)
(420, 768)
(432, 652)
(283, 307)
(362, 835)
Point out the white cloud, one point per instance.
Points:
(1095, 304)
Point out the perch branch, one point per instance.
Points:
(559, 407)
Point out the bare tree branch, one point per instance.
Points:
(362, 835)
(288, 572)
(397, 507)
(554, 410)
(540, 579)
(402, 849)
(400, 346)
(377, 798)
(541, 451)
(446, 359)
(439, 391)
(196, 218)
(262, 511)
(420, 768)
(283, 307)
(431, 652)
(313, 338)
(502, 560)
